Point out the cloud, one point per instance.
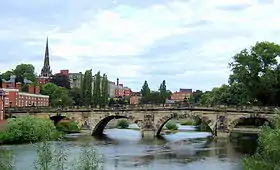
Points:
(189, 43)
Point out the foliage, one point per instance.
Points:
(171, 125)
(123, 124)
(96, 89)
(76, 94)
(154, 97)
(50, 157)
(28, 129)
(104, 91)
(163, 94)
(59, 96)
(255, 79)
(60, 80)
(145, 91)
(89, 159)
(67, 126)
(268, 153)
(6, 159)
(87, 88)
(187, 123)
(21, 71)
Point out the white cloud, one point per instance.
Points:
(188, 43)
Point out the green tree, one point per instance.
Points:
(24, 71)
(145, 93)
(253, 68)
(87, 87)
(7, 75)
(97, 89)
(59, 96)
(163, 92)
(104, 91)
(76, 95)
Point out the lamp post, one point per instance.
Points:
(2, 95)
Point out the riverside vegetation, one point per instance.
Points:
(268, 152)
(28, 129)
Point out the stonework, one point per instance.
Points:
(151, 121)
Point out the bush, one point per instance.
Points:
(28, 129)
(6, 159)
(123, 124)
(187, 123)
(171, 126)
(268, 153)
(67, 126)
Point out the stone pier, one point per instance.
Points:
(148, 134)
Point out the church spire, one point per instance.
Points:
(46, 70)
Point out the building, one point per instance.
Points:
(15, 97)
(122, 91)
(181, 94)
(46, 71)
(75, 79)
(112, 89)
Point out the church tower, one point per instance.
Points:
(46, 70)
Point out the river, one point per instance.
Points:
(123, 149)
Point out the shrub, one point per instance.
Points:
(171, 126)
(89, 159)
(268, 153)
(123, 124)
(6, 159)
(67, 126)
(28, 129)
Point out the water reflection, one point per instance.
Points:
(126, 150)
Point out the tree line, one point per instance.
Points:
(58, 87)
(154, 97)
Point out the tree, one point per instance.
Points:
(87, 87)
(58, 95)
(145, 92)
(196, 96)
(76, 94)
(253, 68)
(104, 91)
(7, 75)
(163, 92)
(96, 89)
(24, 71)
(60, 80)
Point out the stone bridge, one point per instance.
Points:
(222, 121)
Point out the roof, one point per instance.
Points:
(185, 90)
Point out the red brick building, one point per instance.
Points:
(122, 91)
(14, 97)
(181, 94)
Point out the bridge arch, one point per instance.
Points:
(98, 129)
(241, 119)
(163, 120)
(57, 118)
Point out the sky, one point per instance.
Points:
(188, 43)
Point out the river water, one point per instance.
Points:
(124, 149)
